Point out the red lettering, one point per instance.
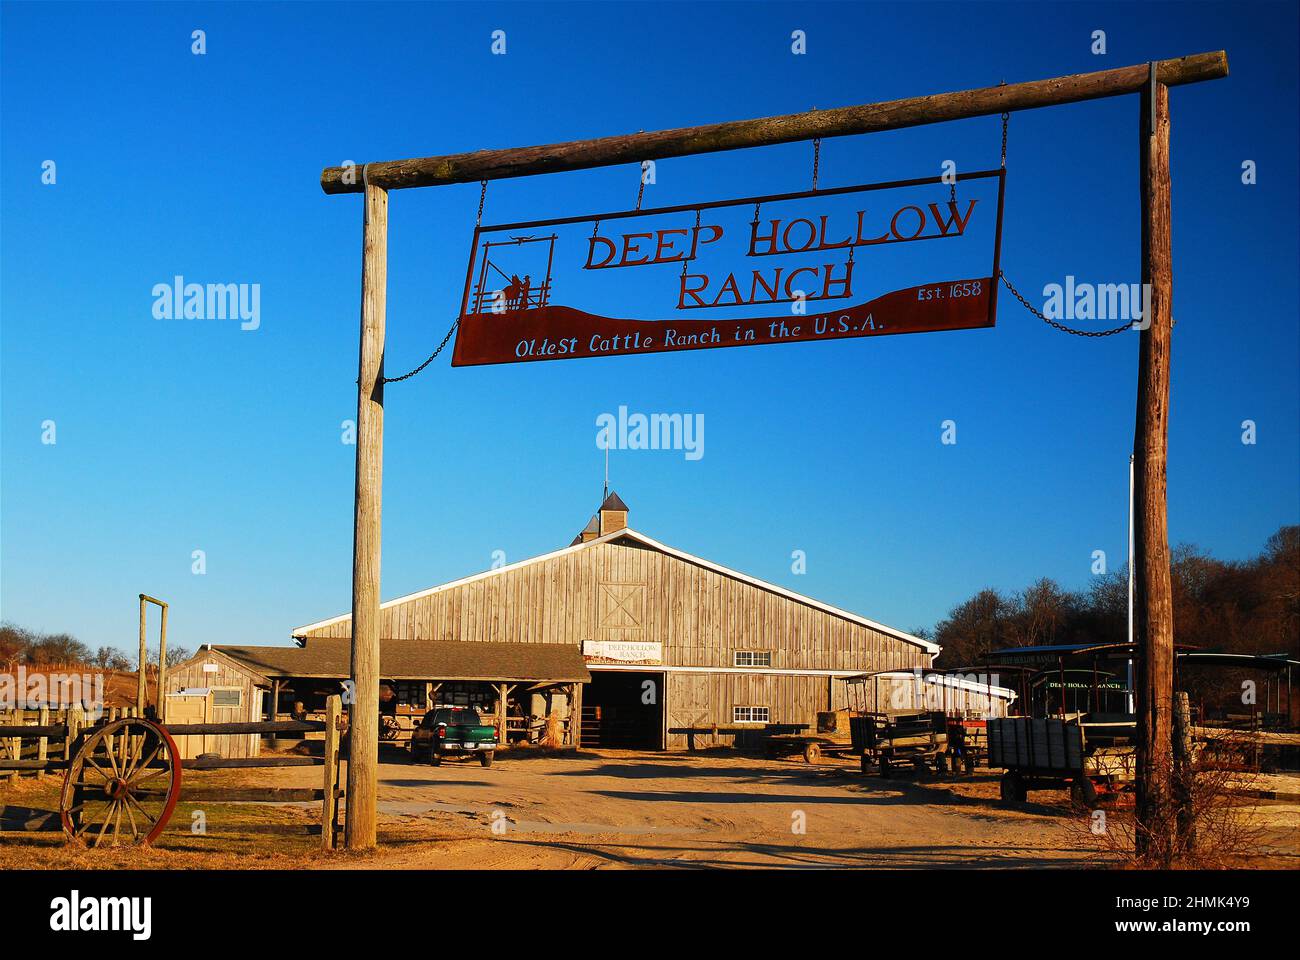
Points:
(846, 284)
(785, 237)
(628, 247)
(893, 224)
(769, 239)
(661, 246)
(591, 252)
(692, 292)
(952, 208)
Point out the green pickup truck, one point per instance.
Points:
(448, 730)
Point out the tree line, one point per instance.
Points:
(36, 650)
(1249, 606)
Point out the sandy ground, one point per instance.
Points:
(629, 809)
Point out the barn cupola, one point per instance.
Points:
(613, 514)
(590, 532)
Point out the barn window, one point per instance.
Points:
(753, 658)
(227, 697)
(749, 714)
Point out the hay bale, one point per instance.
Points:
(553, 737)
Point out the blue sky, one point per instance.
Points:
(175, 436)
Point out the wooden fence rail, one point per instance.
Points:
(69, 733)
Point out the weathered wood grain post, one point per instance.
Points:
(330, 801)
(43, 744)
(162, 665)
(484, 165)
(1154, 590)
(363, 714)
(140, 690)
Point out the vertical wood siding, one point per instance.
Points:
(626, 591)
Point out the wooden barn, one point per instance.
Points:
(674, 643)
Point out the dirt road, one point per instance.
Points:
(619, 808)
(601, 809)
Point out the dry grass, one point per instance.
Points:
(1220, 826)
(223, 846)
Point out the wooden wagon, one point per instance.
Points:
(1054, 753)
(968, 743)
(897, 737)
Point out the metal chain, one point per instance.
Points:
(1052, 323)
(640, 190)
(1016, 293)
(1005, 117)
(407, 376)
(482, 195)
(817, 156)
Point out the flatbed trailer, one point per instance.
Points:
(811, 746)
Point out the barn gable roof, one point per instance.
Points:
(627, 533)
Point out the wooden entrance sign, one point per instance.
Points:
(1151, 534)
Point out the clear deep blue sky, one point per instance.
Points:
(174, 436)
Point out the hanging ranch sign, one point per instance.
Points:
(903, 257)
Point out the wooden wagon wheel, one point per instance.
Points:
(122, 784)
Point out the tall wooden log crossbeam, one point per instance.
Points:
(767, 131)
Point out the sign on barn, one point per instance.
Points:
(820, 265)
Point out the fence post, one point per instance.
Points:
(76, 718)
(330, 804)
(43, 744)
(1184, 773)
(4, 746)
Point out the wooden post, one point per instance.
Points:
(7, 718)
(1154, 591)
(575, 715)
(140, 681)
(16, 745)
(162, 667)
(43, 744)
(1184, 773)
(330, 803)
(501, 714)
(363, 725)
(76, 719)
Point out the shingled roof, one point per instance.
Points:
(420, 660)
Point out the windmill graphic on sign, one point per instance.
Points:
(514, 275)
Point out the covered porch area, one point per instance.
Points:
(523, 689)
